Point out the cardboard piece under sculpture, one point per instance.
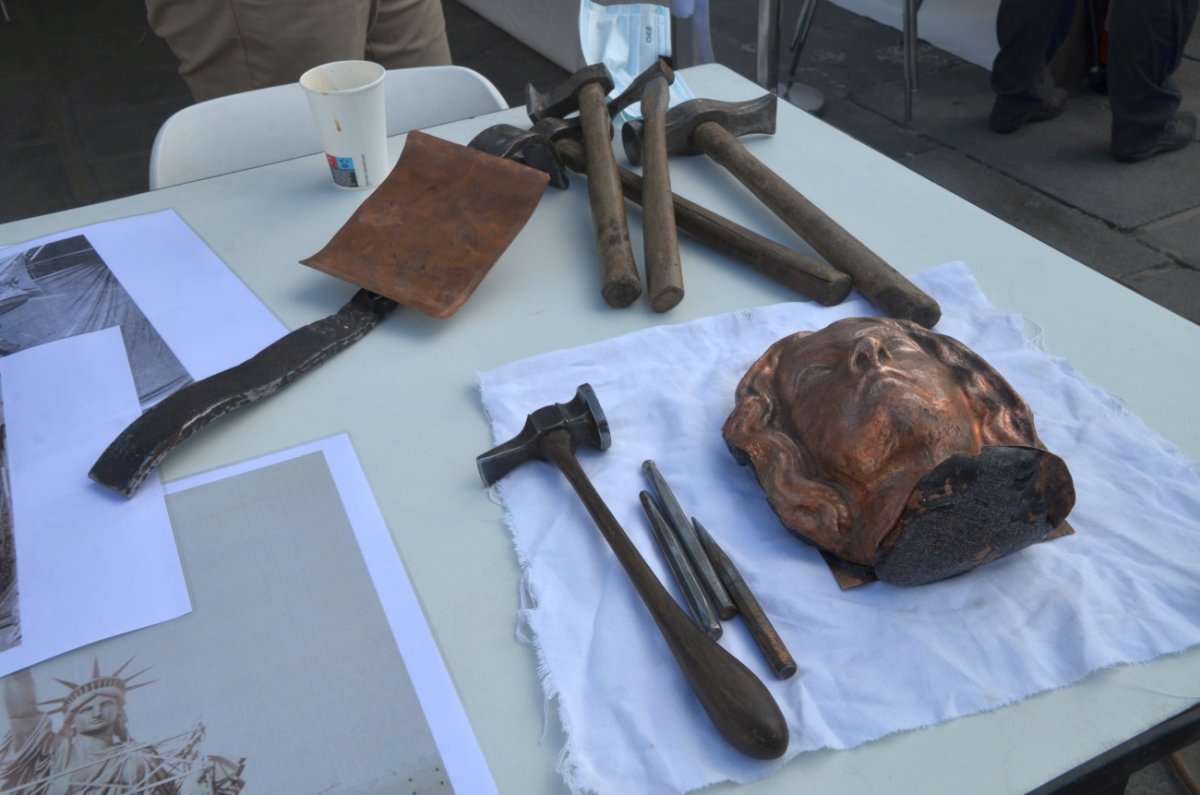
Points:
(897, 451)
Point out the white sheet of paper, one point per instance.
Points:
(90, 564)
(204, 313)
(463, 759)
(65, 402)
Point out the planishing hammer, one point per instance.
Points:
(737, 702)
(585, 91)
(707, 126)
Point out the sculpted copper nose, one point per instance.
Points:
(866, 354)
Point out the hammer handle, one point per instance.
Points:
(879, 282)
(807, 276)
(737, 702)
(664, 273)
(620, 284)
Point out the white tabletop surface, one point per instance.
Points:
(406, 394)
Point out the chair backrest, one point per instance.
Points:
(267, 125)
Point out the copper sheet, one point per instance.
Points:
(433, 229)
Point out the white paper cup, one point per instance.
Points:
(347, 103)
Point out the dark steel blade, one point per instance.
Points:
(139, 448)
(425, 238)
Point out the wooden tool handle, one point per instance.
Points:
(138, 449)
(807, 276)
(664, 274)
(879, 282)
(620, 284)
(737, 702)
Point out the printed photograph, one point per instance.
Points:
(47, 293)
(64, 288)
(285, 677)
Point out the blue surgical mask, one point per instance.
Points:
(628, 38)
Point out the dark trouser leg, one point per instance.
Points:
(1029, 33)
(1146, 42)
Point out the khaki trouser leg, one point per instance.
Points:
(408, 33)
(226, 46)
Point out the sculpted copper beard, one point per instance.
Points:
(896, 449)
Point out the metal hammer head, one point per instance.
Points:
(557, 129)
(527, 147)
(564, 100)
(633, 92)
(739, 118)
(582, 417)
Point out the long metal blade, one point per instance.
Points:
(425, 238)
(138, 449)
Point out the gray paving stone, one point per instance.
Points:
(130, 49)
(16, 52)
(1078, 235)
(125, 175)
(44, 182)
(1067, 157)
(1173, 286)
(480, 45)
(28, 112)
(1155, 779)
(878, 132)
(1177, 236)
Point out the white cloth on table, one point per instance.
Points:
(873, 660)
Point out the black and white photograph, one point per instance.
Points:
(10, 617)
(64, 288)
(49, 292)
(169, 327)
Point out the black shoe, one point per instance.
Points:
(1179, 132)
(1010, 113)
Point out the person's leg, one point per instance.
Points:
(203, 36)
(407, 33)
(1146, 43)
(285, 38)
(226, 46)
(1029, 33)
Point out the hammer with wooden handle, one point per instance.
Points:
(807, 276)
(585, 91)
(737, 701)
(664, 272)
(706, 126)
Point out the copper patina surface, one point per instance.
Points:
(896, 450)
(432, 230)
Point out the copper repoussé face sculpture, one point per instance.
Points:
(899, 452)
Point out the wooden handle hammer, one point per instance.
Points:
(809, 277)
(705, 126)
(585, 91)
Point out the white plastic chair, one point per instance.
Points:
(267, 125)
